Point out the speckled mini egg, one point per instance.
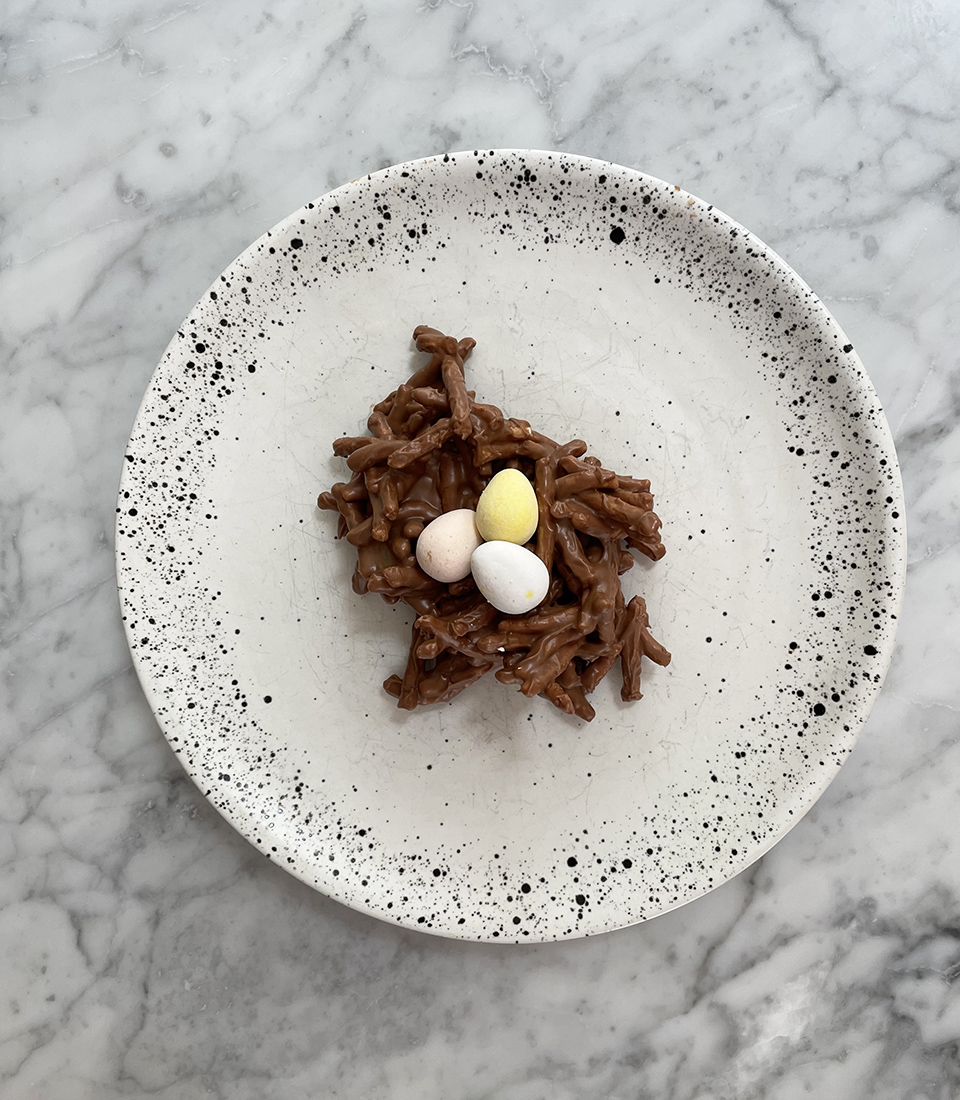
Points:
(507, 509)
(509, 576)
(446, 544)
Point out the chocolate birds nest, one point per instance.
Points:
(432, 448)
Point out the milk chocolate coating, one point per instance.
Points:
(432, 447)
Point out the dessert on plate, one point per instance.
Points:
(508, 545)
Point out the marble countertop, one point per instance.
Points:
(147, 949)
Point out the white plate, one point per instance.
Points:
(606, 305)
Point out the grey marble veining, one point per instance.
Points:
(146, 949)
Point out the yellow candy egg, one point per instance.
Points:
(507, 509)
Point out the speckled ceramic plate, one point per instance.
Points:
(606, 305)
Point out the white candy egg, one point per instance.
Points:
(446, 544)
(510, 576)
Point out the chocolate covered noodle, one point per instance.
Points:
(432, 448)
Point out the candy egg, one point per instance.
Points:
(507, 509)
(445, 545)
(509, 576)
